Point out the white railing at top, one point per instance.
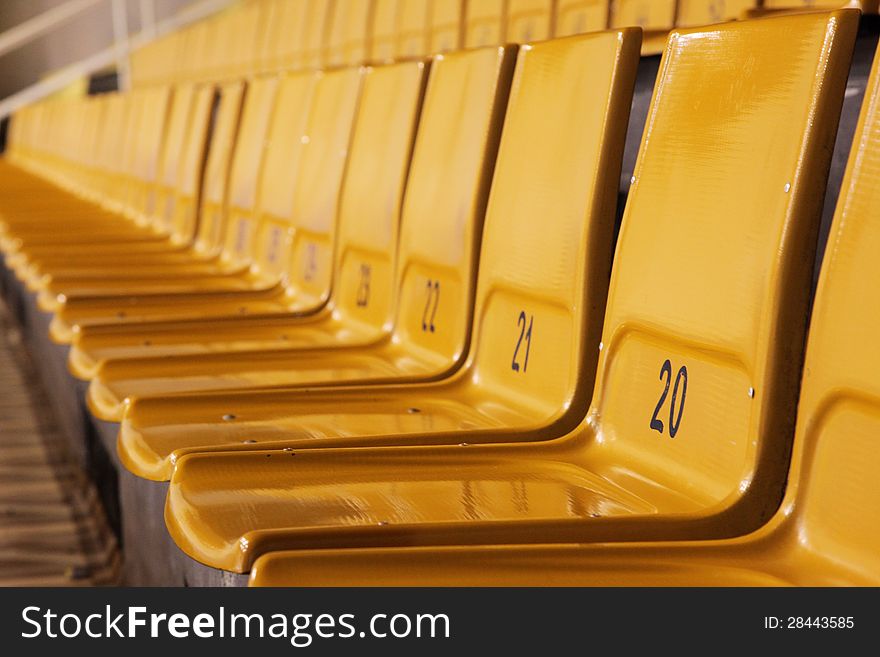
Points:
(117, 53)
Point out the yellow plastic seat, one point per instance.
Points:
(270, 281)
(555, 270)
(530, 20)
(446, 25)
(386, 312)
(825, 532)
(300, 243)
(708, 294)
(485, 22)
(195, 136)
(230, 271)
(580, 16)
(655, 17)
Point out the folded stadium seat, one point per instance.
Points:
(484, 23)
(579, 16)
(383, 33)
(239, 228)
(348, 39)
(690, 428)
(388, 287)
(655, 17)
(558, 266)
(412, 29)
(446, 25)
(530, 20)
(825, 532)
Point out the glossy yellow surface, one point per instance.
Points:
(348, 40)
(364, 303)
(530, 20)
(825, 532)
(580, 16)
(426, 295)
(705, 276)
(446, 25)
(485, 23)
(554, 269)
(367, 237)
(655, 17)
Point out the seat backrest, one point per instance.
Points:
(529, 20)
(177, 201)
(159, 202)
(579, 16)
(485, 22)
(383, 41)
(703, 339)
(837, 455)
(348, 38)
(315, 32)
(547, 241)
(704, 12)
(412, 29)
(209, 192)
(150, 140)
(446, 26)
(315, 188)
(275, 223)
(114, 147)
(246, 169)
(369, 205)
